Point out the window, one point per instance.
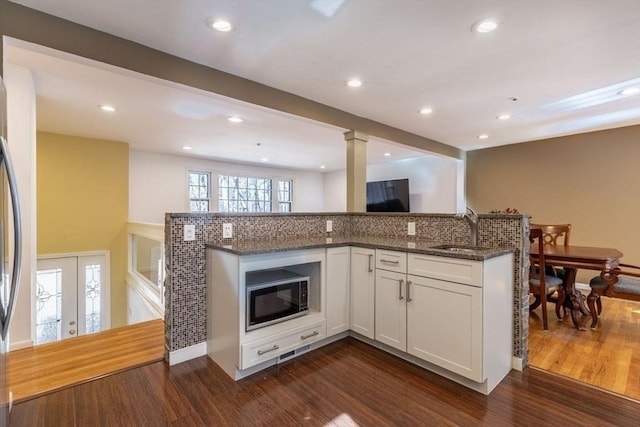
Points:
(244, 194)
(239, 193)
(199, 191)
(146, 271)
(146, 260)
(285, 196)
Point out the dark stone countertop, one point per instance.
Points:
(264, 246)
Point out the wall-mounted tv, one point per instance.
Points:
(388, 196)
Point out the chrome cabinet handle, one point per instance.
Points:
(313, 334)
(400, 288)
(72, 322)
(274, 348)
(370, 263)
(72, 331)
(5, 314)
(409, 299)
(388, 261)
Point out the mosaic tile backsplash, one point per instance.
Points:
(185, 286)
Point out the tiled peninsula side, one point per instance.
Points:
(185, 282)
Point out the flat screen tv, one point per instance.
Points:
(388, 196)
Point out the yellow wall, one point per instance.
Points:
(590, 180)
(83, 203)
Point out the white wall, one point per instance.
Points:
(335, 191)
(158, 184)
(21, 132)
(138, 310)
(435, 184)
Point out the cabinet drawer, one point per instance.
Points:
(450, 269)
(391, 261)
(256, 352)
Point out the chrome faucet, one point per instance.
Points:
(472, 218)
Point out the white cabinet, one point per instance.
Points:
(338, 278)
(445, 324)
(256, 352)
(362, 298)
(391, 260)
(241, 352)
(460, 315)
(391, 302)
(453, 313)
(391, 309)
(450, 315)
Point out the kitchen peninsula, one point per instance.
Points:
(448, 310)
(299, 243)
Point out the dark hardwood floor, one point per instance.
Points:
(346, 383)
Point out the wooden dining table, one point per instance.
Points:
(572, 258)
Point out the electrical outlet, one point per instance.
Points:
(189, 232)
(227, 231)
(329, 226)
(411, 228)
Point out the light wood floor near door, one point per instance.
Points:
(607, 357)
(346, 383)
(38, 370)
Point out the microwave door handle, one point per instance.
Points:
(17, 236)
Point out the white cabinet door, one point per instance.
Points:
(338, 272)
(444, 322)
(362, 306)
(391, 309)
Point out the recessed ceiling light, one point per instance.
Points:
(629, 91)
(323, 167)
(485, 25)
(483, 136)
(504, 117)
(354, 83)
(387, 154)
(425, 110)
(235, 119)
(264, 159)
(108, 108)
(187, 148)
(219, 24)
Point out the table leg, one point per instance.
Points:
(592, 300)
(574, 301)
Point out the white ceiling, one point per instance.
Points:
(161, 116)
(564, 60)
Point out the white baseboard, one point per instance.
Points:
(187, 353)
(20, 344)
(516, 363)
(583, 287)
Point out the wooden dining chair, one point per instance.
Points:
(553, 234)
(626, 286)
(540, 283)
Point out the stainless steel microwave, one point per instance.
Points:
(275, 296)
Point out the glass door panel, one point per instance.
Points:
(56, 299)
(71, 297)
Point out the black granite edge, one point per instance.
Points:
(363, 242)
(373, 214)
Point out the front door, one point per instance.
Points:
(70, 297)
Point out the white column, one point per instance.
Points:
(356, 170)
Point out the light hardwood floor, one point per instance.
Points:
(607, 357)
(38, 370)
